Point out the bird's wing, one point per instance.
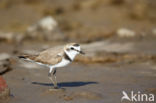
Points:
(50, 56)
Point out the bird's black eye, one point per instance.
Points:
(72, 48)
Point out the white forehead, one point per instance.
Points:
(75, 47)
(72, 45)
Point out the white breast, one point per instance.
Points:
(63, 63)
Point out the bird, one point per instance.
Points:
(54, 58)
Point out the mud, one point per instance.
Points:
(82, 83)
(118, 37)
(133, 69)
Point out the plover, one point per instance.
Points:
(55, 58)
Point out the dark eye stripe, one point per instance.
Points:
(76, 45)
(72, 48)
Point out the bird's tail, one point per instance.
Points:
(22, 57)
(26, 57)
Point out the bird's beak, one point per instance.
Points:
(81, 52)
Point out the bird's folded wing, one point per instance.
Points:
(50, 56)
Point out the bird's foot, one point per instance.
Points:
(56, 89)
(56, 86)
(49, 74)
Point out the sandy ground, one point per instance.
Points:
(86, 83)
(82, 83)
(121, 64)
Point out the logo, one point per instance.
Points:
(137, 97)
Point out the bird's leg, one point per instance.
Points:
(54, 74)
(52, 77)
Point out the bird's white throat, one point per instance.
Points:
(71, 54)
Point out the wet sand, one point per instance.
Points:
(123, 63)
(82, 83)
(86, 83)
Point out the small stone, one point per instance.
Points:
(124, 32)
(45, 29)
(47, 23)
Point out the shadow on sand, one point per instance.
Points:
(66, 84)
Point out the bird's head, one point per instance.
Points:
(72, 49)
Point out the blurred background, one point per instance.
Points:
(118, 36)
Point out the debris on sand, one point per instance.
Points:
(45, 29)
(5, 63)
(11, 37)
(4, 90)
(124, 32)
(106, 52)
(5, 66)
(47, 23)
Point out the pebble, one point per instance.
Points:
(45, 29)
(124, 32)
(47, 23)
